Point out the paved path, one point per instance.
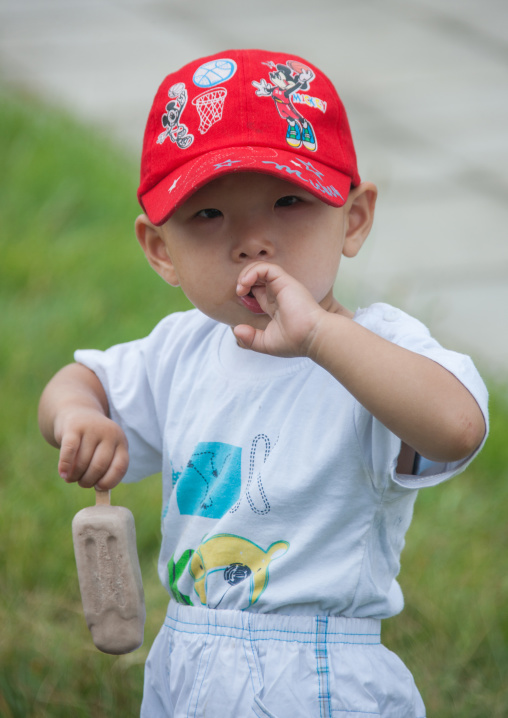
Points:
(426, 87)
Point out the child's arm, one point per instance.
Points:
(73, 415)
(416, 398)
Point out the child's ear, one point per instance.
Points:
(359, 208)
(153, 245)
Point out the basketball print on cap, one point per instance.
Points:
(214, 72)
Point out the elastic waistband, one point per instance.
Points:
(272, 626)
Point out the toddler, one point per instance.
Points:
(292, 433)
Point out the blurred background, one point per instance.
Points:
(425, 86)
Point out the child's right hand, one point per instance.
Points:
(74, 417)
(93, 448)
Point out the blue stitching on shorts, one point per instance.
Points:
(281, 640)
(322, 668)
(320, 697)
(271, 630)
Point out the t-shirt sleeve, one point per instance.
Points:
(380, 447)
(131, 379)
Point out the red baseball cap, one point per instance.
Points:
(245, 110)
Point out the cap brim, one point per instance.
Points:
(329, 185)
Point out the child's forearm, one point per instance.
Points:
(416, 398)
(74, 416)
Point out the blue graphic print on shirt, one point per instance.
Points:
(210, 483)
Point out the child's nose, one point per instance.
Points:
(253, 247)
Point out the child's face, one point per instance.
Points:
(242, 218)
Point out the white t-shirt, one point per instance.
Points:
(280, 491)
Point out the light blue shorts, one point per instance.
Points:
(233, 664)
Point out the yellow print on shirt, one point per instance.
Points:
(232, 572)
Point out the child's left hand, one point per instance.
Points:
(294, 313)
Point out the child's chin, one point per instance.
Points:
(258, 321)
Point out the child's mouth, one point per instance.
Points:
(250, 302)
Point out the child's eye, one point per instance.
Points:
(209, 213)
(287, 201)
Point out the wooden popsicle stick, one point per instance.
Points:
(102, 498)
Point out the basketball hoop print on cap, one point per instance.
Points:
(245, 111)
(209, 106)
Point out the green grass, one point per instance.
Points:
(71, 275)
